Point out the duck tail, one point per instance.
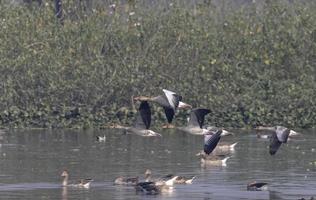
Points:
(232, 147)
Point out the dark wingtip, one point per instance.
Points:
(211, 141)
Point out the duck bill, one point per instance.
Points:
(183, 105)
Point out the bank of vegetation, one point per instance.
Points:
(251, 66)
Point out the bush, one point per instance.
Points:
(250, 67)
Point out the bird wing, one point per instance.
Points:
(282, 133)
(197, 117)
(211, 140)
(274, 144)
(144, 116)
(172, 98)
(257, 185)
(169, 112)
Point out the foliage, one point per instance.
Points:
(254, 66)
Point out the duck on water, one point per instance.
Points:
(82, 183)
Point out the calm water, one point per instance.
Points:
(31, 162)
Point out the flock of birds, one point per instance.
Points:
(214, 153)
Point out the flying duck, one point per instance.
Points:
(221, 149)
(170, 102)
(254, 186)
(273, 128)
(82, 183)
(196, 122)
(142, 124)
(279, 136)
(101, 138)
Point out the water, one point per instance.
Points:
(31, 162)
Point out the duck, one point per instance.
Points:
(211, 139)
(279, 136)
(82, 183)
(225, 148)
(142, 123)
(257, 186)
(148, 177)
(224, 131)
(196, 126)
(101, 138)
(169, 101)
(184, 180)
(211, 160)
(221, 149)
(196, 122)
(273, 128)
(155, 187)
(132, 181)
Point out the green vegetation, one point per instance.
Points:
(254, 66)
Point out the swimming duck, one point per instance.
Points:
(148, 175)
(223, 148)
(142, 124)
(82, 183)
(254, 186)
(279, 136)
(212, 160)
(170, 102)
(155, 187)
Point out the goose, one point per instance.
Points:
(184, 180)
(255, 186)
(155, 187)
(196, 126)
(132, 180)
(279, 136)
(220, 149)
(224, 132)
(211, 160)
(272, 129)
(225, 148)
(196, 121)
(170, 102)
(211, 139)
(82, 183)
(142, 124)
(126, 181)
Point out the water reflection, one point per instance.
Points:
(32, 160)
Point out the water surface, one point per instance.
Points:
(31, 162)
